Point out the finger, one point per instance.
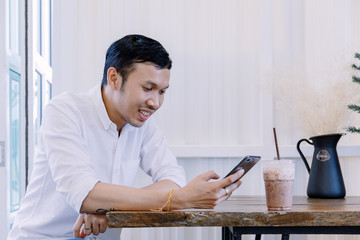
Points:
(87, 225)
(209, 175)
(103, 228)
(228, 191)
(79, 222)
(223, 198)
(95, 229)
(231, 179)
(87, 231)
(232, 187)
(103, 224)
(99, 224)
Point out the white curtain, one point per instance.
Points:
(227, 56)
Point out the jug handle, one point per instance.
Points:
(301, 154)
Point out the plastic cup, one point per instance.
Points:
(279, 178)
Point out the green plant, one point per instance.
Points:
(355, 107)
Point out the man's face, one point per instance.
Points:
(142, 94)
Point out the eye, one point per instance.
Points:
(146, 89)
(162, 92)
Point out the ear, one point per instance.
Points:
(113, 78)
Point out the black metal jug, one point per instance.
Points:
(326, 180)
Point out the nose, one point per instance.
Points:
(154, 102)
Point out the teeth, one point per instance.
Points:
(144, 113)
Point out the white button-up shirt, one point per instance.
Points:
(78, 147)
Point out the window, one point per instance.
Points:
(42, 94)
(42, 72)
(25, 89)
(15, 141)
(14, 102)
(37, 109)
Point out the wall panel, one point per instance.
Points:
(221, 103)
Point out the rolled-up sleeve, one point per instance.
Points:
(156, 158)
(65, 147)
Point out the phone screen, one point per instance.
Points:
(245, 163)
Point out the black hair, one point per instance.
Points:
(131, 49)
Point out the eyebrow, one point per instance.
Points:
(154, 84)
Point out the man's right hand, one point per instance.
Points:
(200, 193)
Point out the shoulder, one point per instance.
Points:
(72, 102)
(71, 99)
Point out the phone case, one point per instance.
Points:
(245, 163)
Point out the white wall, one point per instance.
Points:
(223, 55)
(220, 103)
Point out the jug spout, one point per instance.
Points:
(325, 179)
(328, 140)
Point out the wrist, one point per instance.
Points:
(179, 200)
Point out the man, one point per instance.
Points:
(92, 144)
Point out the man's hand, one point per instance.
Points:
(200, 193)
(89, 223)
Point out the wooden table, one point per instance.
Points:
(248, 215)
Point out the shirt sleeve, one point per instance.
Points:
(156, 158)
(65, 147)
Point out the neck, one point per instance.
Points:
(106, 93)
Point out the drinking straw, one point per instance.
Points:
(276, 145)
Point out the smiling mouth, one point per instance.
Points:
(144, 115)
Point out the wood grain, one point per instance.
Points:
(248, 211)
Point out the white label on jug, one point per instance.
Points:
(323, 155)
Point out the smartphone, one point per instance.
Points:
(245, 163)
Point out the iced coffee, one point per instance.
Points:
(279, 177)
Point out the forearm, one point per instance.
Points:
(110, 196)
(164, 185)
(199, 193)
